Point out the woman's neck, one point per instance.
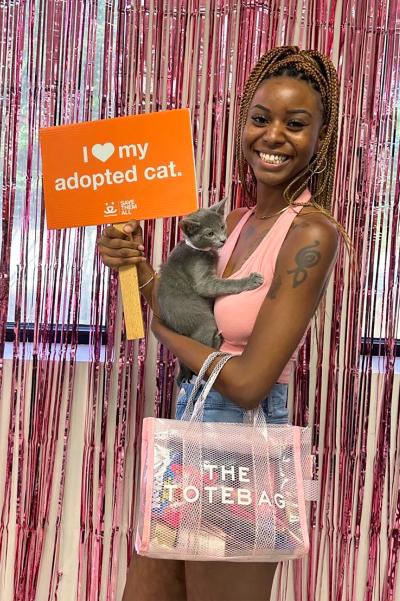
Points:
(270, 200)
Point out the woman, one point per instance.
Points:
(286, 144)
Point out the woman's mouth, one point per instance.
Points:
(273, 161)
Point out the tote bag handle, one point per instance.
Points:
(187, 414)
(194, 411)
(197, 415)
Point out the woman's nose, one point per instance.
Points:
(273, 133)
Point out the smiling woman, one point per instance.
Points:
(286, 131)
(283, 132)
(286, 149)
(74, 390)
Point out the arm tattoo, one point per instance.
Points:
(275, 285)
(305, 258)
(301, 224)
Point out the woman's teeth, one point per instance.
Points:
(275, 159)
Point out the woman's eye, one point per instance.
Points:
(259, 119)
(297, 124)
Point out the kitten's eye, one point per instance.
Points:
(210, 234)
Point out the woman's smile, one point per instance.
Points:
(273, 161)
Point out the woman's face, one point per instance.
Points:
(283, 130)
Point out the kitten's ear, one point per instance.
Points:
(219, 207)
(189, 226)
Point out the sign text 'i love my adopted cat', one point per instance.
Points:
(106, 177)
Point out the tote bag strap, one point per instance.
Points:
(197, 415)
(194, 412)
(186, 416)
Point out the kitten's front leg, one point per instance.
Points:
(212, 287)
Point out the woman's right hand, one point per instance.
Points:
(118, 248)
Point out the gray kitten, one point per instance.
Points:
(188, 281)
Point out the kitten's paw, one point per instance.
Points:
(255, 280)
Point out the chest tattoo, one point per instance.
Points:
(249, 232)
(306, 257)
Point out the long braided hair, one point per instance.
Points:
(319, 175)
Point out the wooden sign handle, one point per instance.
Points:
(128, 279)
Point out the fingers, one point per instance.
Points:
(116, 262)
(120, 254)
(118, 248)
(117, 243)
(120, 251)
(130, 228)
(112, 232)
(135, 231)
(124, 253)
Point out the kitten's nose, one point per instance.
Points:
(223, 240)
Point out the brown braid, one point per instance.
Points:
(320, 73)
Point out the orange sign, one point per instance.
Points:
(114, 170)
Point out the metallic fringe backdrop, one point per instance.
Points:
(73, 391)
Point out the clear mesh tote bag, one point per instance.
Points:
(219, 491)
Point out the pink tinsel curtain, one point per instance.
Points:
(73, 391)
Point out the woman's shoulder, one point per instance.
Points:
(311, 227)
(234, 217)
(311, 216)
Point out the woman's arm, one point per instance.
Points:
(303, 267)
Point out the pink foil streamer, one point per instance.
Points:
(144, 46)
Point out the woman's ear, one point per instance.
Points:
(321, 136)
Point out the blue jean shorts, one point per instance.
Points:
(218, 408)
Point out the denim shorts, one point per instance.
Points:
(218, 408)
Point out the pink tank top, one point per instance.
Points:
(236, 314)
